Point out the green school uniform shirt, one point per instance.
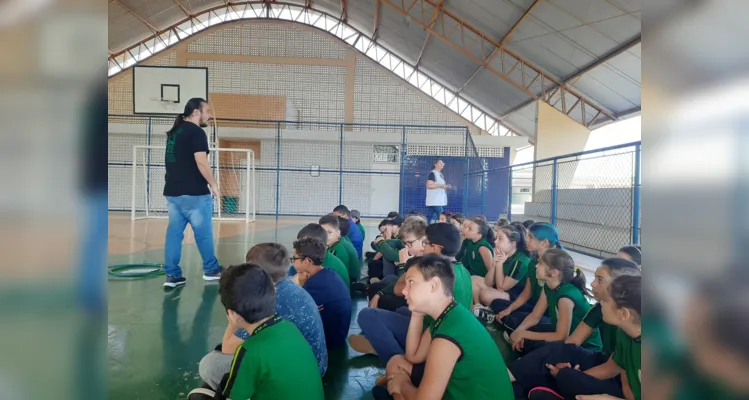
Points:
(536, 287)
(354, 263)
(336, 265)
(390, 248)
(473, 260)
(627, 356)
(516, 267)
(363, 231)
(462, 290)
(480, 372)
(339, 250)
(594, 319)
(568, 290)
(260, 369)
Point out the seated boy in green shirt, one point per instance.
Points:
(261, 364)
(455, 358)
(354, 266)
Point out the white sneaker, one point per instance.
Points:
(483, 313)
(201, 394)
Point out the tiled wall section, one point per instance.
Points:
(315, 92)
(381, 96)
(270, 40)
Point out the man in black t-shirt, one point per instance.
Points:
(188, 188)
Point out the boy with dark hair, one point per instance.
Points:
(260, 365)
(293, 304)
(354, 259)
(330, 223)
(316, 231)
(355, 235)
(327, 289)
(384, 332)
(455, 358)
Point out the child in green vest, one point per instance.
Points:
(478, 256)
(261, 364)
(540, 237)
(621, 308)
(455, 358)
(540, 367)
(506, 279)
(564, 295)
(332, 226)
(316, 231)
(354, 262)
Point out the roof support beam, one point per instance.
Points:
(432, 20)
(376, 30)
(569, 80)
(606, 57)
(136, 15)
(181, 7)
(344, 11)
(469, 36)
(502, 43)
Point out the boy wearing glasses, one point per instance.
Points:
(412, 234)
(326, 287)
(384, 332)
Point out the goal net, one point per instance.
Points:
(233, 169)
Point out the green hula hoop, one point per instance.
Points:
(114, 270)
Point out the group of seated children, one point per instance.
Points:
(515, 275)
(308, 289)
(431, 288)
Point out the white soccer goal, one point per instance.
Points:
(233, 169)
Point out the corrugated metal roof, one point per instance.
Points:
(561, 37)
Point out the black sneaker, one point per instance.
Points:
(173, 282)
(201, 393)
(213, 276)
(360, 287)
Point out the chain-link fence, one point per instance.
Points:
(592, 197)
(306, 169)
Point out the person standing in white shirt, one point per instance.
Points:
(436, 195)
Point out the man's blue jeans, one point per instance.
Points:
(197, 211)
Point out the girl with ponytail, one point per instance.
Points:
(541, 368)
(507, 278)
(564, 295)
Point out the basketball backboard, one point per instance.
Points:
(165, 90)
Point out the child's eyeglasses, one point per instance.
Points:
(410, 243)
(297, 258)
